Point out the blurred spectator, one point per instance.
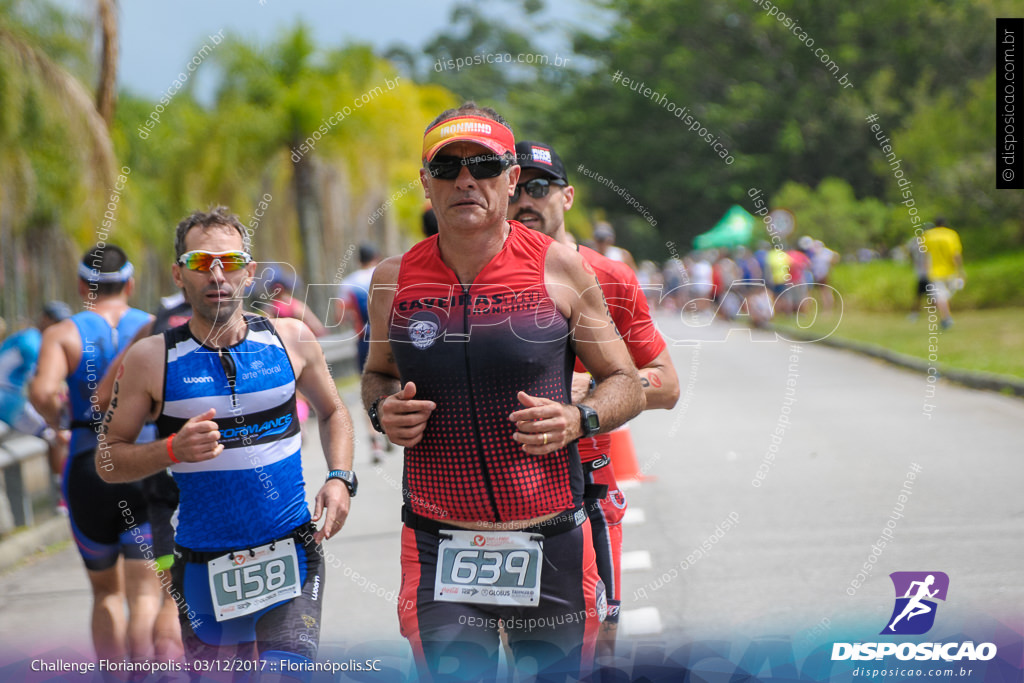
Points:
(723, 274)
(945, 266)
(355, 294)
(753, 288)
(822, 260)
(18, 357)
(604, 243)
(777, 271)
(919, 257)
(701, 282)
(865, 255)
(651, 282)
(280, 283)
(675, 278)
(279, 286)
(797, 291)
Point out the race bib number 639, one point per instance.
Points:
(491, 568)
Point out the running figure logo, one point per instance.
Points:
(916, 592)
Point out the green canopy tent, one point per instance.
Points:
(735, 229)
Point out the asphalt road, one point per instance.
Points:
(713, 550)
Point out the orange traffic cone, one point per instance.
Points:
(623, 455)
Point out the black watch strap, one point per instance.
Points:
(374, 414)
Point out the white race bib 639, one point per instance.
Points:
(489, 567)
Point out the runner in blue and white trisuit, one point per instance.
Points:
(108, 522)
(248, 565)
(160, 491)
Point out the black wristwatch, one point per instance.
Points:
(589, 424)
(375, 416)
(347, 476)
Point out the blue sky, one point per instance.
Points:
(159, 38)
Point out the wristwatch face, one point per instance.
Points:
(589, 421)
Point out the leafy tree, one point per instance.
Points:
(755, 85)
(833, 214)
(56, 155)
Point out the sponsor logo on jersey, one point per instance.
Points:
(261, 371)
(423, 330)
(259, 431)
(198, 380)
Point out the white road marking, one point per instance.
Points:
(644, 621)
(634, 516)
(636, 560)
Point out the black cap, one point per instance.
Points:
(367, 252)
(539, 155)
(57, 310)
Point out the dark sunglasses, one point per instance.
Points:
(536, 188)
(205, 260)
(480, 167)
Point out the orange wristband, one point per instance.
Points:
(170, 451)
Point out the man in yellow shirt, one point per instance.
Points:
(945, 266)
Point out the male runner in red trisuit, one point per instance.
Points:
(540, 201)
(473, 339)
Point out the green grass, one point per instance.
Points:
(988, 340)
(885, 286)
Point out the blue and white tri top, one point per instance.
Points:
(100, 345)
(253, 492)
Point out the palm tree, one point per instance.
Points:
(106, 91)
(293, 106)
(54, 145)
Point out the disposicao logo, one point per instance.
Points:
(916, 593)
(913, 615)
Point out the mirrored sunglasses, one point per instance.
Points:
(205, 260)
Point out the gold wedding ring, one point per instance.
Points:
(545, 439)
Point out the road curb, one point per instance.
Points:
(27, 542)
(974, 380)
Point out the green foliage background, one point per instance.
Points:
(925, 69)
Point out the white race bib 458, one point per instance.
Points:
(242, 583)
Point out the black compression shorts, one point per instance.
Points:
(107, 520)
(161, 501)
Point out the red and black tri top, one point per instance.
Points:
(470, 349)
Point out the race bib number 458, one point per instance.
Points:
(489, 568)
(242, 583)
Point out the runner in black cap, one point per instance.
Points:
(540, 201)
